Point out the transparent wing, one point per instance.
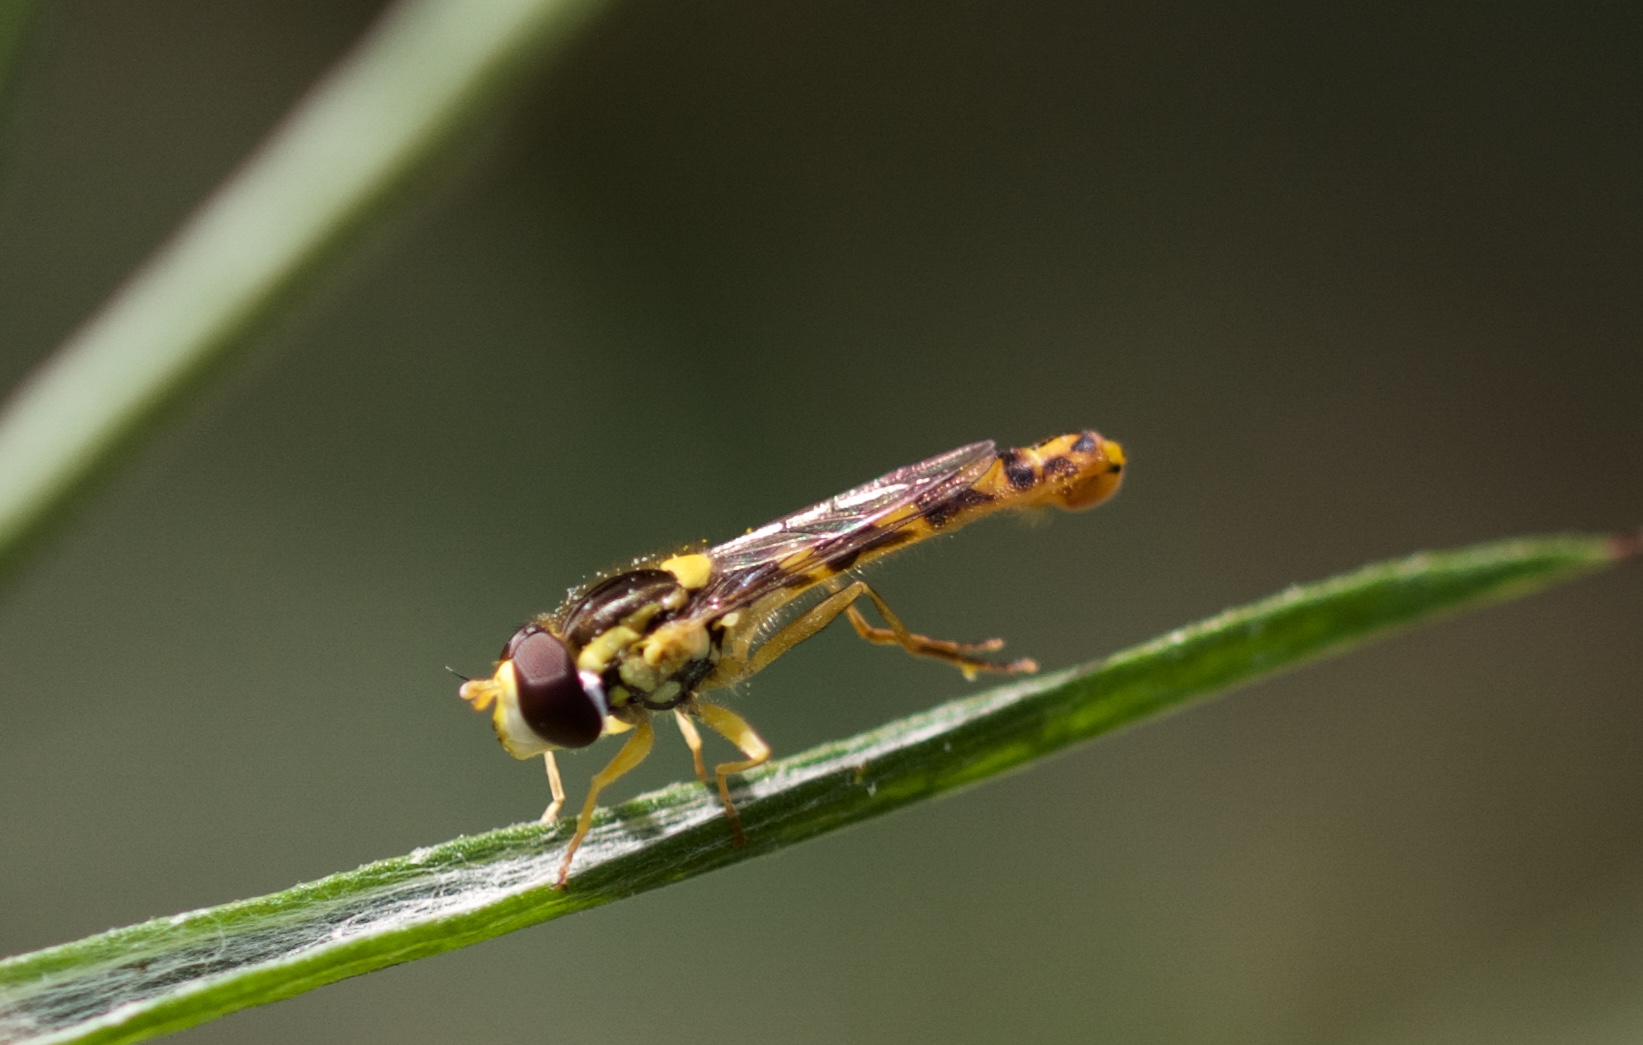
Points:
(833, 533)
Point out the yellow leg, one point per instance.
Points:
(961, 655)
(735, 729)
(633, 752)
(558, 787)
(693, 740)
(800, 628)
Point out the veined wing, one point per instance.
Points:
(801, 549)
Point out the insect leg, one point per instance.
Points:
(800, 628)
(693, 740)
(558, 787)
(735, 729)
(958, 654)
(633, 752)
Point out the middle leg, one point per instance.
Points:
(693, 740)
(735, 729)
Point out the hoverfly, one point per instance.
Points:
(656, 636)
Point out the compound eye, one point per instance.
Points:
(525, 631)
(552, 700)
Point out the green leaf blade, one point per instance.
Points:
(167, 974)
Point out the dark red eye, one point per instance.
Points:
(552, 700)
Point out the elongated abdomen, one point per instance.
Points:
(1073, 472)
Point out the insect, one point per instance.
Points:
(655, 636)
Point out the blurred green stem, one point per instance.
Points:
(16, 16)
(171, 973)
(359, 138)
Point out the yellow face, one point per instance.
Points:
(502, 690)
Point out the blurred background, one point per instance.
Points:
(1347, 282)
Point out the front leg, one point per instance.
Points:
(557, 786)
(633, 752)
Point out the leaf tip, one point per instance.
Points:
(1626, 545)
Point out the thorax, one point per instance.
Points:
(637, 631)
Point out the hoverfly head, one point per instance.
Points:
(541, 701)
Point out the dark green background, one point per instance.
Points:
(1347, 282)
